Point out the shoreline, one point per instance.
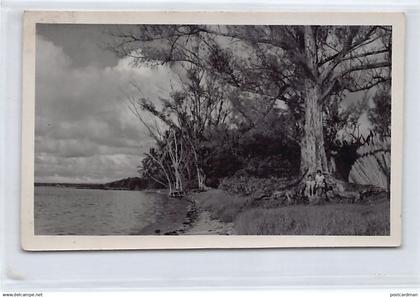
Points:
(174, 216)
(201, 222)
(205, 225)
(196, 221)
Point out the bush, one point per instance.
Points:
(270, 166)
(256, 187)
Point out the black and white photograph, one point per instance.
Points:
(188, 129)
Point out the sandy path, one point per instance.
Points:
(204, 225)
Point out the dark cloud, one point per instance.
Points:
(85, 45)
(84, 129)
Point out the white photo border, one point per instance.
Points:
(32, 242)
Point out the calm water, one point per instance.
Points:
(69, 211)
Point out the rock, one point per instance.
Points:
(171, 233)
(287, 197)
(345, 192)
(259, 194)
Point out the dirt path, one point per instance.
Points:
(204, 225)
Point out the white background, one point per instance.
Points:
(322, 267)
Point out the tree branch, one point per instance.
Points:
(365, 67)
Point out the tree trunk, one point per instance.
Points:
(313, 156)
(178, 181)
(200, 180)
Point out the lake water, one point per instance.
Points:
(70, 211)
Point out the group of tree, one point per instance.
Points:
(262, 100)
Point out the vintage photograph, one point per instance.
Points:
(213, 129)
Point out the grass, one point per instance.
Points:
(328, 219)
(332, 219)
(221, 205)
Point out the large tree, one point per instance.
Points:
(301, 66)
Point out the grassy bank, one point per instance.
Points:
(328, 219)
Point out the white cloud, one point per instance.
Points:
(84, 129)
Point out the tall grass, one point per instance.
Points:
(269, 219)
(333, 219)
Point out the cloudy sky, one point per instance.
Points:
(84, 129)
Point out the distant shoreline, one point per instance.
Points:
(126, 184)
(70, 185)
(87, 187)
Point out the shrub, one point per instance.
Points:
(251, 185)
